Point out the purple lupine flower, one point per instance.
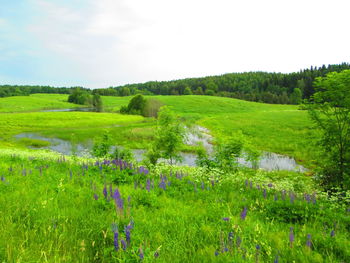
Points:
(148, 185)
(264, 193)
(24, 172)
(332, 233)
(141, 255)
(70, 174)
(3, 178)
(111, 190)
(226, 249)
(127, 231)
(216, 253)
(291, 236)
(116, 236)
(307, 198)
(292, 198)
(156, 254)
(270, 185)
(226, 219)
(276, 259)
(275, 197)
(257, 247)
(246, 183)
(244, 213)
(230, 235)
(116, 194)
(95, 196)
(123, 244)
(105, 191)
(308, 242)
(135, 184)
(162, 184)
(202, 186)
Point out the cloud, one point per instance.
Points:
(108, 42)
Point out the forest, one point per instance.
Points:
(273, 88)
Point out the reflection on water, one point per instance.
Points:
(73, 109)
(268, 161)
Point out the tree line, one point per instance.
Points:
(276, 88)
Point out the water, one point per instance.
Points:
(73, 109)
(268, 161)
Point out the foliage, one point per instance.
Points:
(79, 96)
(169, 214)
(124, 153)
(330, 111)
(276, 88)
(97, 102)
(102, 146)
(151, 108)
(169, 137)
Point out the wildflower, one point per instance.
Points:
(246, 183)
(308, 242)
(162, 184)
(95, 196)
(226, 219)
(127, 231)
(251, 184)
(129, 200)
(244, 213)
(141, 255)
(156, 254)
(270, 185)
(135, 184)
(70, 174)
(276, 259)
(148, 185)
(230, 235)
(123, 244)
(308, 198)
(216, 253)
(105, 191)
(291, 236)
(3, 178)
(257, 247)
(202, 185)
(264, 193)
(332, 233)
(292, 198)
(116, 236)
(225, 249)
(275, 197)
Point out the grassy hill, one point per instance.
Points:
(276, 128)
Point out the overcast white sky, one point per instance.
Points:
(100, 43)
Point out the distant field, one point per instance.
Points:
(276, 128)
(35, 102)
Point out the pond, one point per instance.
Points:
(268, 161)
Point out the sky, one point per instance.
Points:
(103, 43)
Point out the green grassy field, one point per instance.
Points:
(276, 128)
(54, 210)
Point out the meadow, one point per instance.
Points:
(276, 128)
(56, 208)
(62, 209)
